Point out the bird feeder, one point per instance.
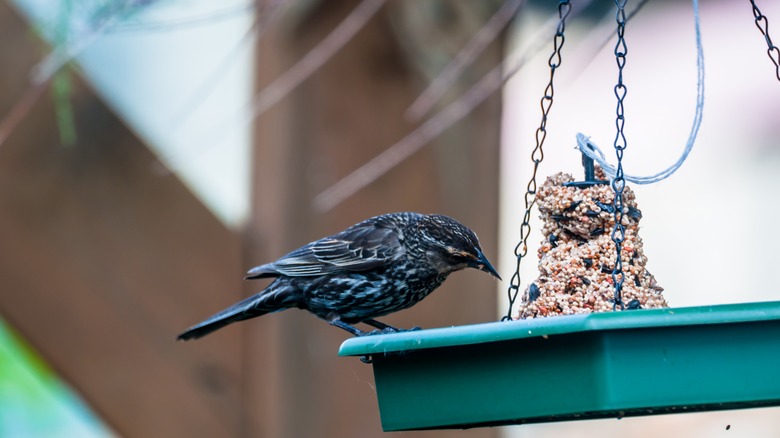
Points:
(577, 367)
(646, 360)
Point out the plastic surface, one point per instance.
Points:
(639, 362)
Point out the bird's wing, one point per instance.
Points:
(361, 247)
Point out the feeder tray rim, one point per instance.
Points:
(559, 325)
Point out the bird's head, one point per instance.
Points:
(451, 246)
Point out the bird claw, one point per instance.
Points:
(389, 330)
(384, 331)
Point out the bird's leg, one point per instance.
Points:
(344, 326)
(384, 328)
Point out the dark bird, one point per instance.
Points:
(379, 266)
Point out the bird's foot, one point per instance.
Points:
(384, 331)
(389, 330)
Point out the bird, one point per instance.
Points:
(376, 267)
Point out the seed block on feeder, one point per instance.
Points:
(577, 255)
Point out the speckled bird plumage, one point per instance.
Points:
(379, 266)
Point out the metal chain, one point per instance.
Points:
(762, 23)
(619, 183)
(521, 250)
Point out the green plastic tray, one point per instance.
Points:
(640, 362)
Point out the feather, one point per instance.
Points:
(361, 247)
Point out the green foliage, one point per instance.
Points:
(61, 83)
(33, 401)
(61, 93)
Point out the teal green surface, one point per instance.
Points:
(34, 402)
(529, 328)
(577, 367)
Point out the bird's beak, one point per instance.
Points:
(483, 264)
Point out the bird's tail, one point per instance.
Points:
(256, 305)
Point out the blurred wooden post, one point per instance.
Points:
(104, 260)
(345, 114)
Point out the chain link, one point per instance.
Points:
(762, 23)
(521, 250)
(619, 183)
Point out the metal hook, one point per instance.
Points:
(590, 175)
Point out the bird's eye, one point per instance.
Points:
(459, 254)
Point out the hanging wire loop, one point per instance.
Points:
(762, 23)
(618, 182)
(592, 151)
(521, 250)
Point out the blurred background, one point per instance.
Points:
(151, 151)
